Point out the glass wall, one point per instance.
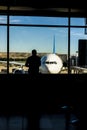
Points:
(78, 46)
(40, 33)
(24, 39)
(38, 20)
(27, 33)
(3, 45)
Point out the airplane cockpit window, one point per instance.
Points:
(51, 62)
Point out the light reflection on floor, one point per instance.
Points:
(13, 123)
(54, 122)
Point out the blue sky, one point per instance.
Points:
(24, 39)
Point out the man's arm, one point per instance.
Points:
(27, 63)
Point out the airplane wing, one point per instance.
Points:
(14, 63)
(3, 61)
(17, 63)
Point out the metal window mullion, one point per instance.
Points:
(8, 41)
(69, 44)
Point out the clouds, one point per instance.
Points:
(3, 19)
(78, 33)
(15, 21)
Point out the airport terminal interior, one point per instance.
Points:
(50, 99)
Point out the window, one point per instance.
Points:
(24, 33)
(77, 33)
(27, 33)
(3, 44)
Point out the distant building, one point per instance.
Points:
(82, 52)
(74, 60)
(63, 57)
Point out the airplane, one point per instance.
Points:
(19, 70)
(13, 62)
(51, 63)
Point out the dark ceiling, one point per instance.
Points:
(44, 7)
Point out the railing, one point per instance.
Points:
(78, 70)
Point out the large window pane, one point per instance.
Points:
(3, 50)
(3, 19)
(78, 21)
(77, 35)
(38, 20)
(24, 39)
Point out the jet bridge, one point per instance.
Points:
(78, 70)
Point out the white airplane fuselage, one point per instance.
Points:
(51, 63)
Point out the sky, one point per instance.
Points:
(24, 39)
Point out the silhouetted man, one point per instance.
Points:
(33, 62)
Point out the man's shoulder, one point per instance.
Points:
(29, 58)
(38, 57)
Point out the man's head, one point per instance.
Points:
(34, 52)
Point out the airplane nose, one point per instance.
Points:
(54, 69)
